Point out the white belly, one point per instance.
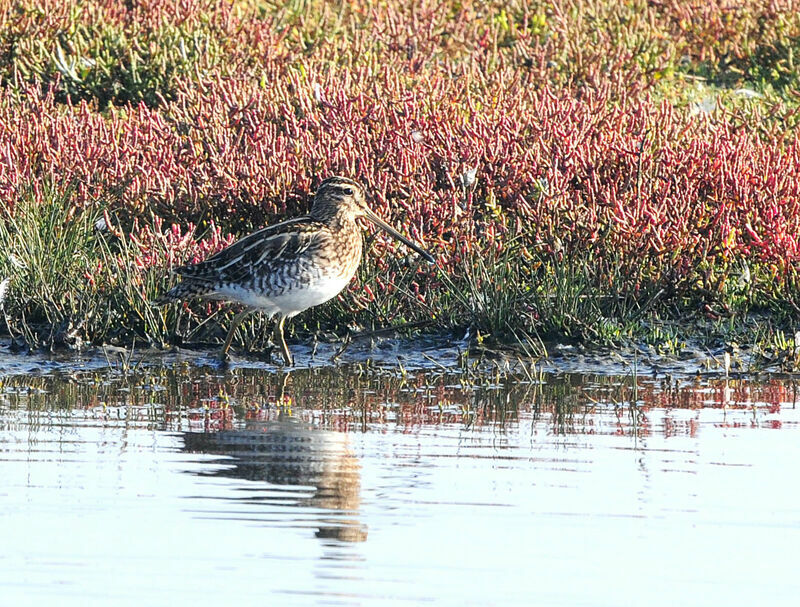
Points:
(291, 302)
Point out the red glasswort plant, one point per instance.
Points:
(562, 129)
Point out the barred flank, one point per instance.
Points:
(187, 289)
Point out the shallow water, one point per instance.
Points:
(361, 485)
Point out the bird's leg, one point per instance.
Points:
(277, 337)
(223, 355)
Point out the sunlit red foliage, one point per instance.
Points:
(570, 142)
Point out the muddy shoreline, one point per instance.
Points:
(445, 353)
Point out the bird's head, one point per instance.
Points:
(339, 196)
(344, 198)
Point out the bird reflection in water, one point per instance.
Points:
(291, 453)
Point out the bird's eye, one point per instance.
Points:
(348, 191)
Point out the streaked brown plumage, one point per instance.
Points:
(291, 266)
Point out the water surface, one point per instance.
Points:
(360, 485)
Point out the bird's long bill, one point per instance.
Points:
(387, 228)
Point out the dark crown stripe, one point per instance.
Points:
(338, 182)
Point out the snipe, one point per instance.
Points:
(291, 266)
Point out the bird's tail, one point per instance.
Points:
(187, 289)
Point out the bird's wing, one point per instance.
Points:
(265, 248)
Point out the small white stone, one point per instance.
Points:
(16, 261)
(469, 177)
(4, 290)
(745, 278)
(749, 93)
(317, 92)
